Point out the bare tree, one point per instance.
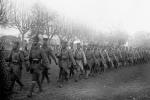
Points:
(4, 9)
(21, 20)
(42, 21)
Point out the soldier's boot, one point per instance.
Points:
(47, 77)
(31, 89)
(77, 76)
(87, 74)
(60, 83)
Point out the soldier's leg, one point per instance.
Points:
(38, 81)
(87, 71)
(71, 71)
(46, 75)
(62, 76)
(16, 74)
(102, 66)
(32, 85)
(20, 72)
(43, 76)
(109, 64)
(92, 69)
(19, 82)
(97, 68)
(67, 73)
(115, 64)
(77, 74)
(12, 81)
(82, 70)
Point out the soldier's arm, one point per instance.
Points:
(51, 53)
(94, 57)
(107, 56)
(71, 57)
(84, 57)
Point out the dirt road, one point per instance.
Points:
(130, 83)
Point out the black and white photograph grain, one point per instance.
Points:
(74, 49)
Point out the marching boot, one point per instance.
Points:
(31, 90)
(60, 83)
(77, 76)
(87, 74)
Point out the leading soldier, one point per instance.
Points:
(36, 56)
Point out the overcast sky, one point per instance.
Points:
(104, 15)
(130, 15)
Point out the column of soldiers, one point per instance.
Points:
(88, 60)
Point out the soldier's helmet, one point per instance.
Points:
(36, 39)
(64, 42)
(45, 38)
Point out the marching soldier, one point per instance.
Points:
(49, 53)
(15, 64)
(120, 58)
(65, 60)
(36, 56)
(80, 61)
(90, 60)
(124, 57)
(103, 63)
(97, 60)
(115, 59)
(109, 60)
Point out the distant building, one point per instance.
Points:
(8, 40)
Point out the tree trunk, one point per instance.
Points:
(22, 41)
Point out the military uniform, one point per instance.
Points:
(36, 57)
(115, 59)
(97, 60)
(90, 60)
(103, 63)
(109, 59)
(80, 61)
(65, 61)
(15, 63)
(49, 53)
